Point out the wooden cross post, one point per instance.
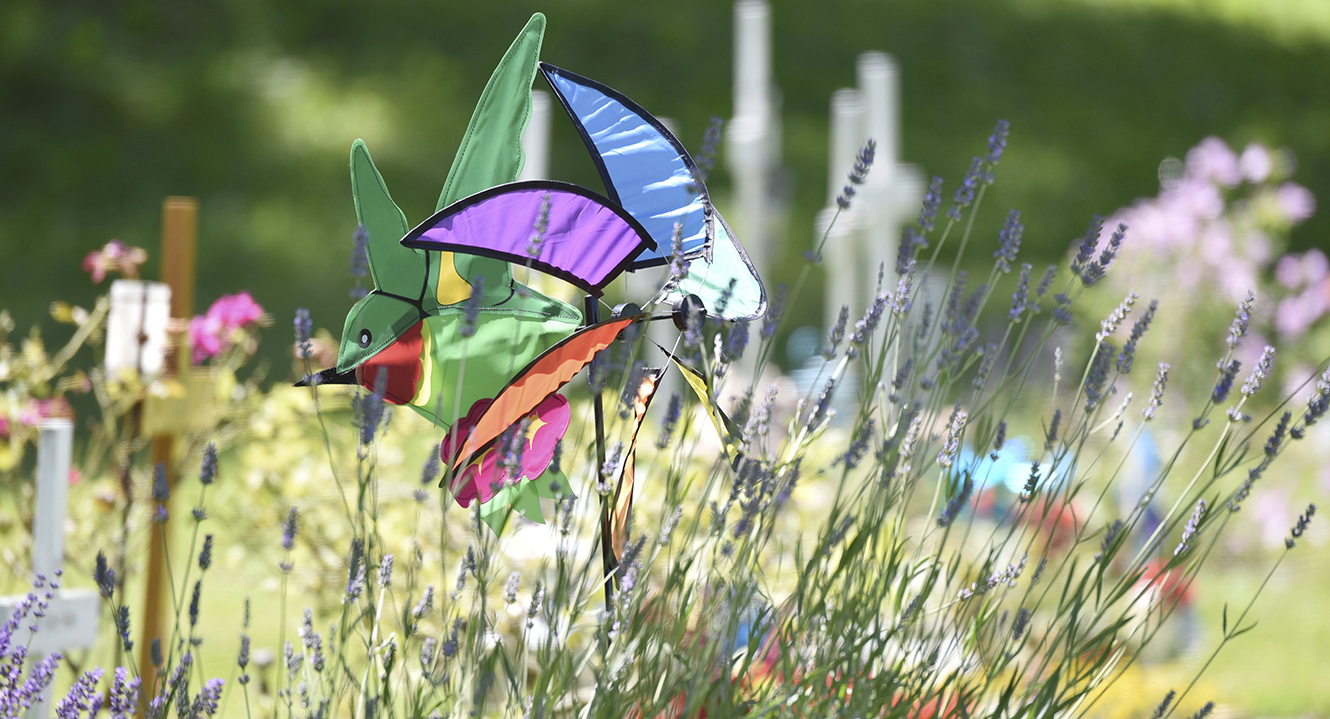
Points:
(71, 618)
(180, 218)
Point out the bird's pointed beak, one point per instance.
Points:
(328, 376)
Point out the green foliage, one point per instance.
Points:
(251, 107)
(897, 597)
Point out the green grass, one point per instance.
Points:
(1277, 669)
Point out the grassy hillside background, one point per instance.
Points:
(252, 106)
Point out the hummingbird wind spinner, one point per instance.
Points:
(461, 340)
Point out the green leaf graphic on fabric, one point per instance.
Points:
(491, 150)
(524, 498)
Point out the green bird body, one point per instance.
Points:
(410, 324)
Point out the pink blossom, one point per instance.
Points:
(40, 409)
(1258, 247)
(212, 333)
(1255, 163)
(205, 335)
(1296, 201)
(236, 310)
(1271, 511)
(1203, 200)
(1213, 161)
(1217, 239)
(4, 426)
(1235, 277)
(1288, 272)
(1297, 271)
(1315, 266)
(116, 256)
(1295, 315)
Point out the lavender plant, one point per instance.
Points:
(905, 597)
(905, 601)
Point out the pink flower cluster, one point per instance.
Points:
(214, 332)
(1307, 277)
(40, 409)
(116, 256)
(1197, 234)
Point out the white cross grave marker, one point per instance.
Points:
(71, 618)
(868, 236)
(752, 137)
(536, 139)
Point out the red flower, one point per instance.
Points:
(1172, 587)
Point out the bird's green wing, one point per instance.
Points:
(491, 150)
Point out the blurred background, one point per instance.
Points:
(251, 107)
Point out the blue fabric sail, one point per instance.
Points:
(645, 168)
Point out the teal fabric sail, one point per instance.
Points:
(728, 275)
(645, 168)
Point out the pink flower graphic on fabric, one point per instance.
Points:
(545, 426)
(116, 256)
(212, 333)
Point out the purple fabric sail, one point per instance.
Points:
(586, 239)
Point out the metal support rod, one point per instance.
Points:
(591, 308)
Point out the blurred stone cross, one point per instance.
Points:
(867, 237)
(71, 618)
(752, 137)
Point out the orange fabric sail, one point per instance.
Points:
(623, 493)
(542, 378)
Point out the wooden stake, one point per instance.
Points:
(180, 223)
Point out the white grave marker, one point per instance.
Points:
(71, 618)
(136, 327)
(888, 199)
(752, 137)
(536, 139)
(840, 251)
